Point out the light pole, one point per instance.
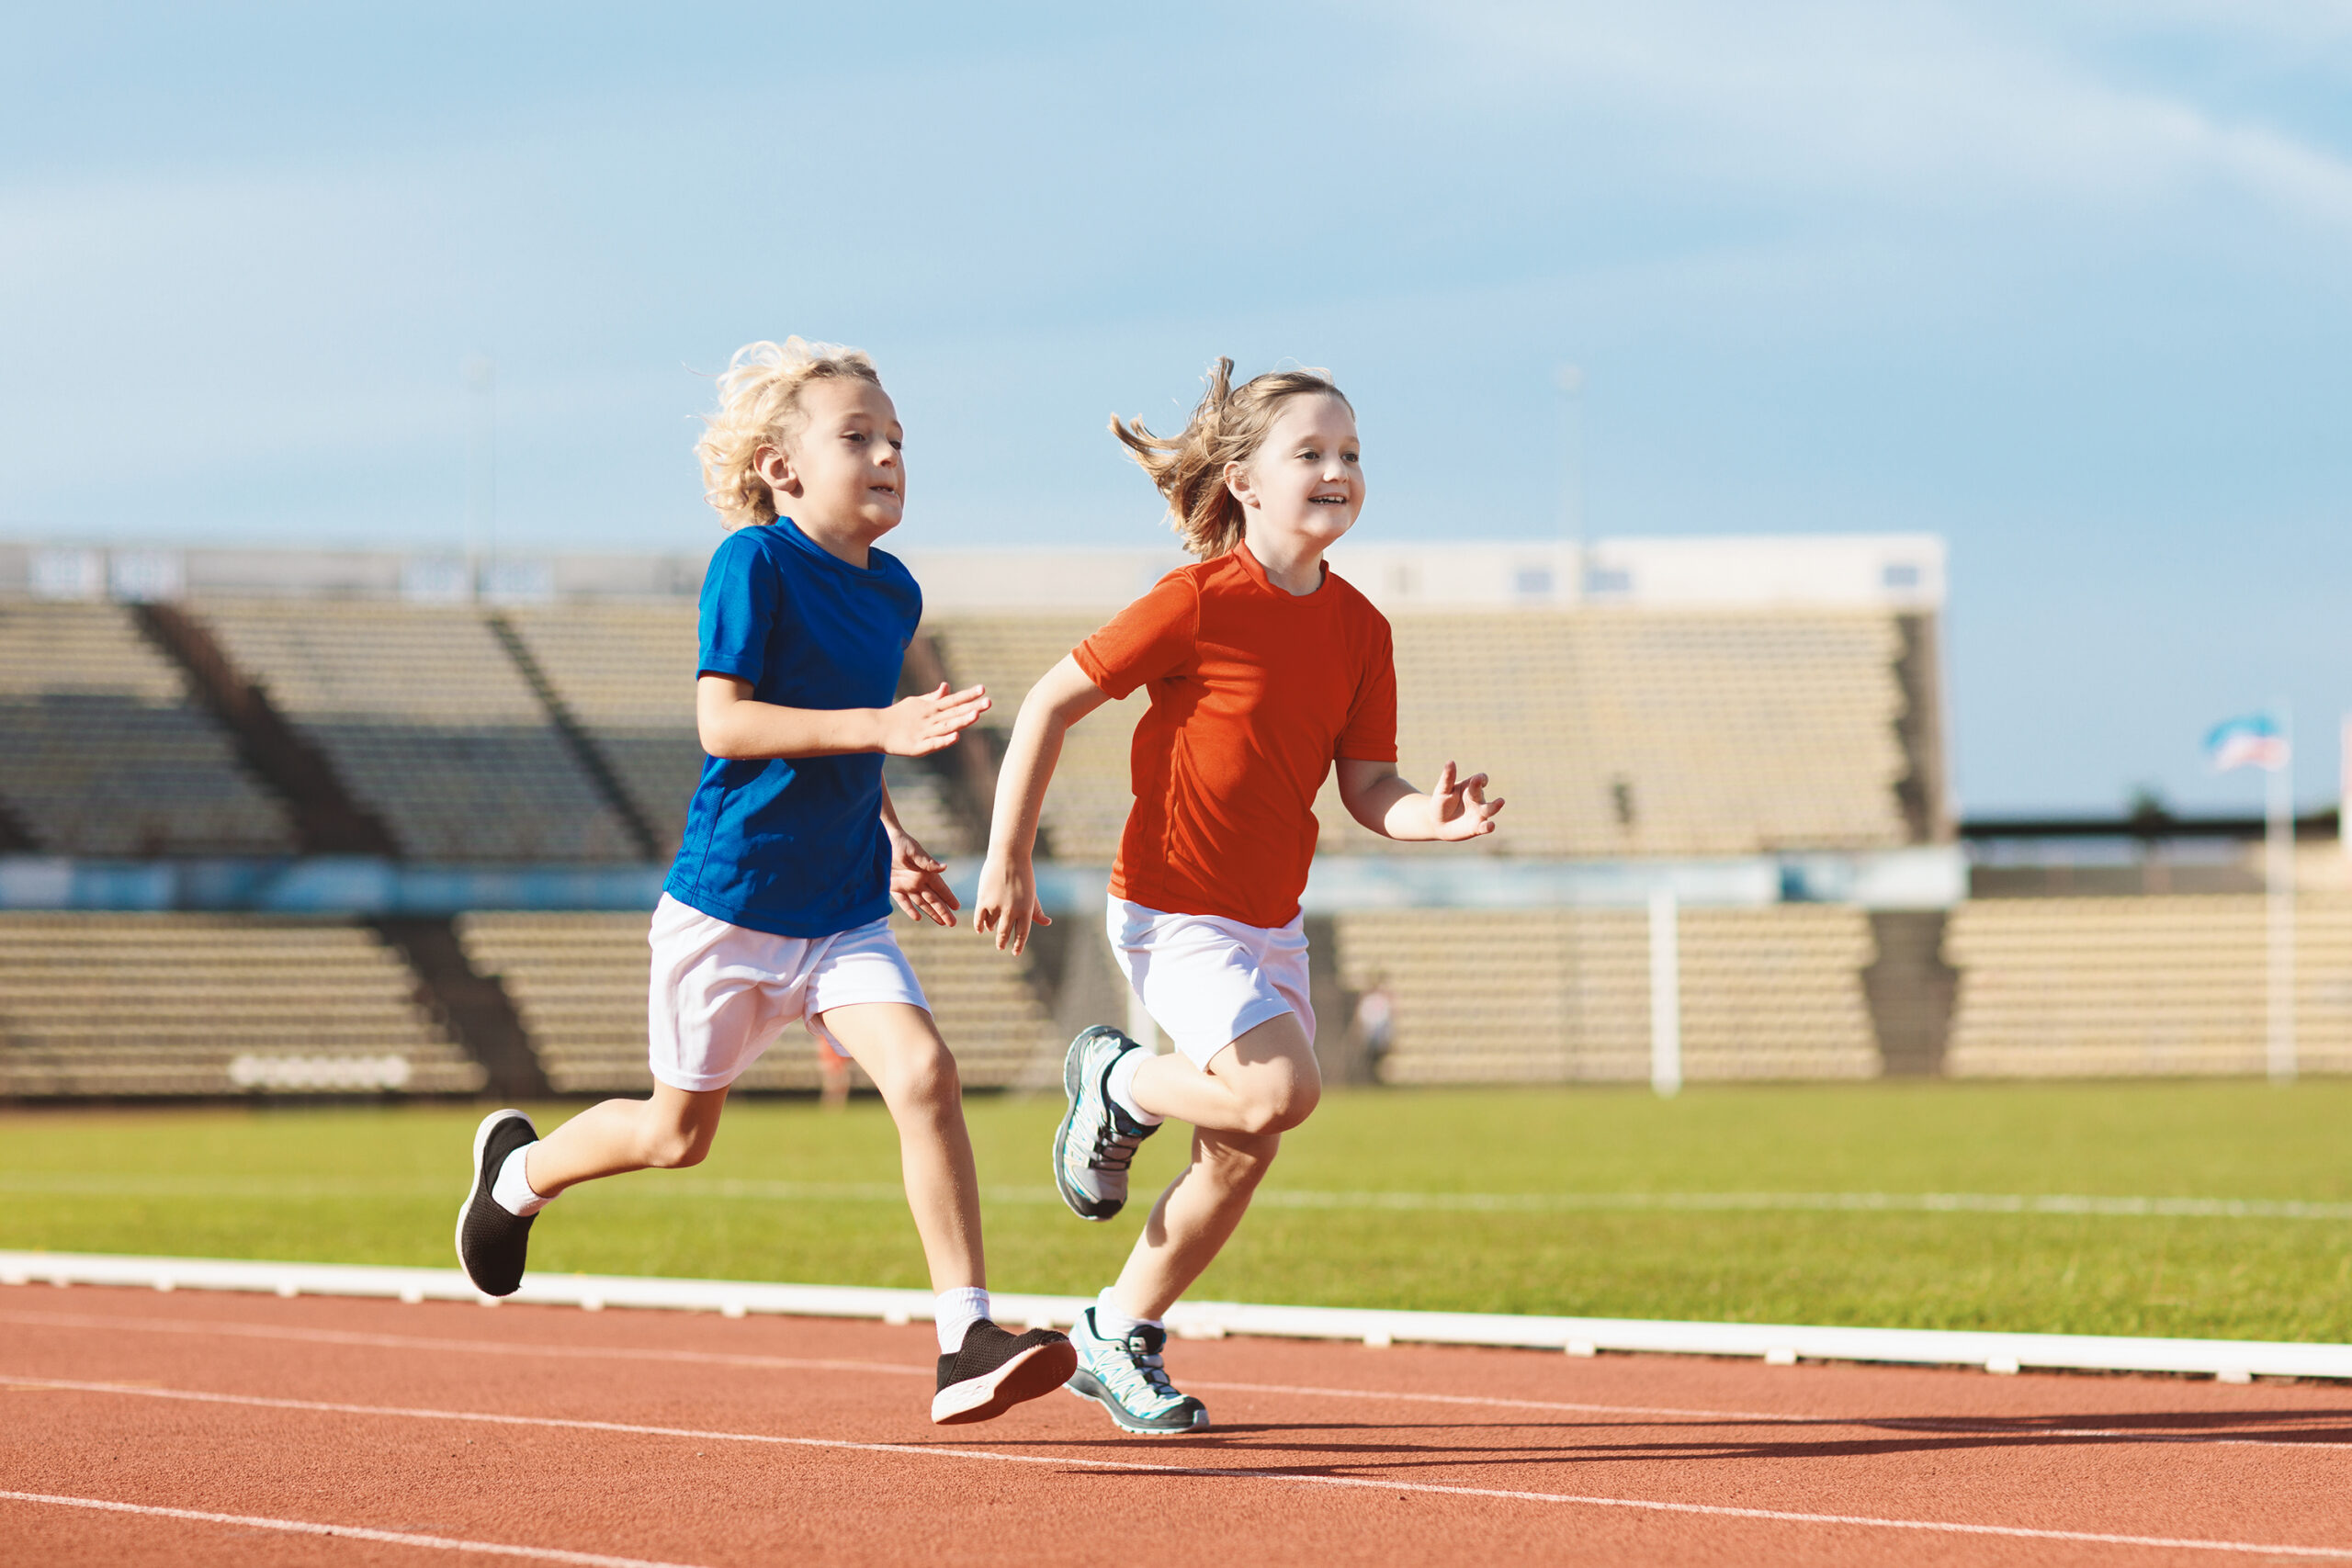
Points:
(2279, 883)
(1569, 380)
(481, 469)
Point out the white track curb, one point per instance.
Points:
(2231, 1361)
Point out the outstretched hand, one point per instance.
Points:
(918, 883)
(1007, 907)
(1460, 809)
(929, 721)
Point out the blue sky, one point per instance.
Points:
(2068, 283)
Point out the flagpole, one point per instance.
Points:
(2279, 880)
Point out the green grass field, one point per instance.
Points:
(793, 1192)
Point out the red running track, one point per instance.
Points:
(139, 1428)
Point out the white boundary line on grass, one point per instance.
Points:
(1955, 1427)
(1225, 1472)
(2231, 1361)
(349, 1532)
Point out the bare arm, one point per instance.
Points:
(736, 729)
(1456, 809)
(1008, 897)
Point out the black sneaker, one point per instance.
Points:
(997, 1370)
(492, 1242)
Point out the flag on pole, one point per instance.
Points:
(2257, 740)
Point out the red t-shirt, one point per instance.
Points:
(1254, 692)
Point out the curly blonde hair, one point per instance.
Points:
(758, 405)
(1229, 426)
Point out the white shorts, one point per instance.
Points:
(721, 994)
(1208, 981)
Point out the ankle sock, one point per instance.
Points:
(1120, 1084)
(511, 1188)
(1113, 1324)
(954, 1312)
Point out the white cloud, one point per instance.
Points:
(1921, 106)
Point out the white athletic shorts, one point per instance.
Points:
(721, 994)
(1208, 981)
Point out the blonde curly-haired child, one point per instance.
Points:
(777, 906)
(1265, 669)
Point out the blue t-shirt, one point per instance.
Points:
(796, 847)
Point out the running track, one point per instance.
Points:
(139, 1428)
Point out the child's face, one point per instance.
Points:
(1306, 483)
(844, 473)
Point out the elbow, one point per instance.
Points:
(716, 743)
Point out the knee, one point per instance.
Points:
(675, 1148)
(1279, 1106)
(923, 1074)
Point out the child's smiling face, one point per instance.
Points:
(843, 477)
(1305, 484)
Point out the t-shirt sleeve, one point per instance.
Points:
(1370, 732)
(1148, 640)
(741, 601)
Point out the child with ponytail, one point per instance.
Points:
(777, 906)
(1266, 670)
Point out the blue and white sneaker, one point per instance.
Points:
(1125, 1378)
(1096, 1140)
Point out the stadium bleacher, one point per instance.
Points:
(578, 981)
(101, 752)
(1541, 995)
(627, 673)
(2143, 986)
(428, 722)
(563, 732)
(1622, 733)
(1661, 733)
(191, 1004)
(1087, 804)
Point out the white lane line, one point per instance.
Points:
(349, 1532)
(1286, 1477)
(481, 1347)
(2106, 1205)
(1947, 1426)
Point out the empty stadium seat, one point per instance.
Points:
(102, 752)
(1086, 806)
(1545, 996)
(580, 981)
(1621, 732)
(179, 1004)
(627, 673)
(2141, 986)
(1612, 733)
(430, 724)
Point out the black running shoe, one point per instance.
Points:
(492, 1242)
(997, 1370)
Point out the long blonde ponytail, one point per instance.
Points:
(1229, 426)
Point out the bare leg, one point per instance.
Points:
(674, 1128)
(833, 1073)
(1265, 1083)
(1192, 1220)
(900, 1050)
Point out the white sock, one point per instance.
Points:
(512, 1190)
(1113, 1324)
(1120, 1084)
(954, 1312)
